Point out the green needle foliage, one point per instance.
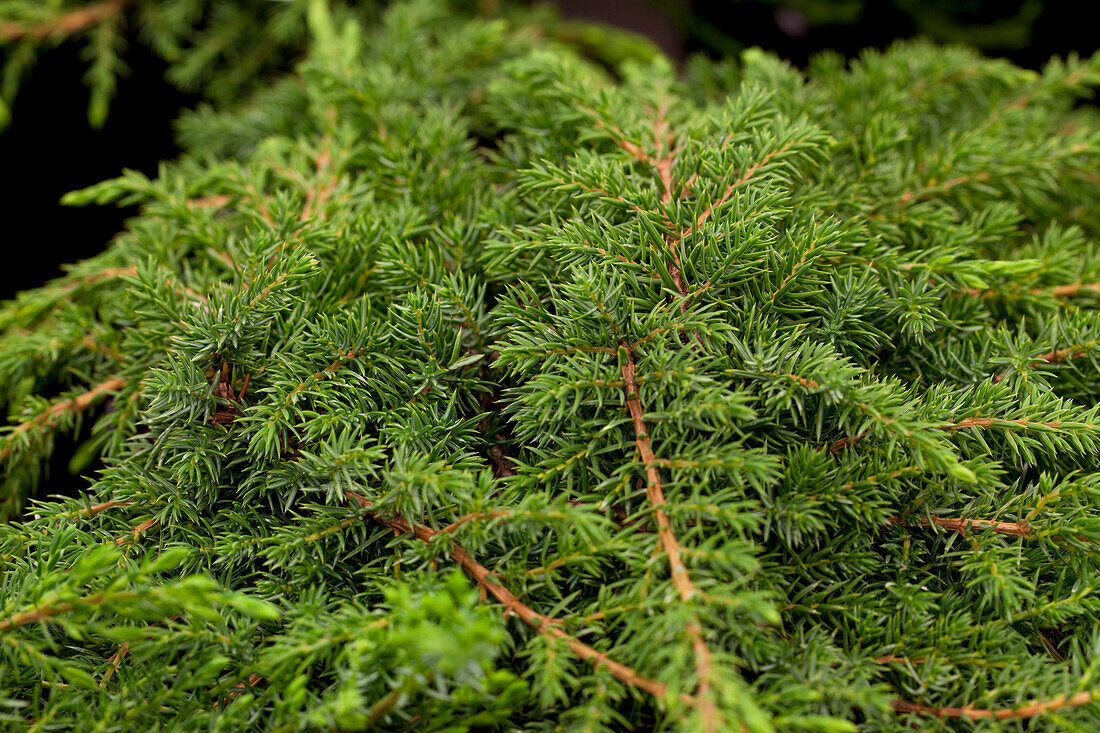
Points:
(457, 381)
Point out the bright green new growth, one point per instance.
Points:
(457, 381)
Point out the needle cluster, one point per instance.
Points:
(456, 382)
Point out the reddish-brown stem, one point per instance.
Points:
(843, 443)
(893, 659)
(960, 525)
(970, 422)
(107, 274)
(654, 490)
(1058, 291)
(804, 381)
(34, 616)
(1059, 355)
(1061, 291)
(662, 136)
(619, 138)
(1056, 356)
(933, 188)
(671, 546)
(317, 197)
(1027, 710)
(543, 624)
(48, 610)
(985, 422)
(136, 531)
(63, 25)
(97, 508)
(115, 661)
(216, 201)
(335, 366)
(472, 517)
(221, 200)
(662, 164)
(75, 405)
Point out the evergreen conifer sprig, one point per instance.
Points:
(456, 381)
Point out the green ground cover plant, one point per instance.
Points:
(459, 381)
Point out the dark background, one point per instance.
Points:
(50, 148)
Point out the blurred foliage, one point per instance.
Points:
(222, 49)
(980, 23)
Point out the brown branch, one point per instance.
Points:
(985, 422)
(107, 274)
(892, 659)
(97, 508)
(49, 610)
(932, 188)
(1027, 710)
(221, 200)
(970, 422)
(960, 525)
(75, 405)
(35, 615)
(1061, 291)
(1056, 356)
(465, 519)
(844, 442)
(543, 624)
(662, 164)
(662, 136)
(674, 241)
(136, 531)
(677, 273)
(1050, 645)
(115, 661)
(317, 197)
(619, 137)
(1058, 291)
(216, 201)
(680, 577)
(63, 25)
(804, 381)
(897, 659)
(1059, 355)
(380, 709)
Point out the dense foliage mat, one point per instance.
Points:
(458, 381)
